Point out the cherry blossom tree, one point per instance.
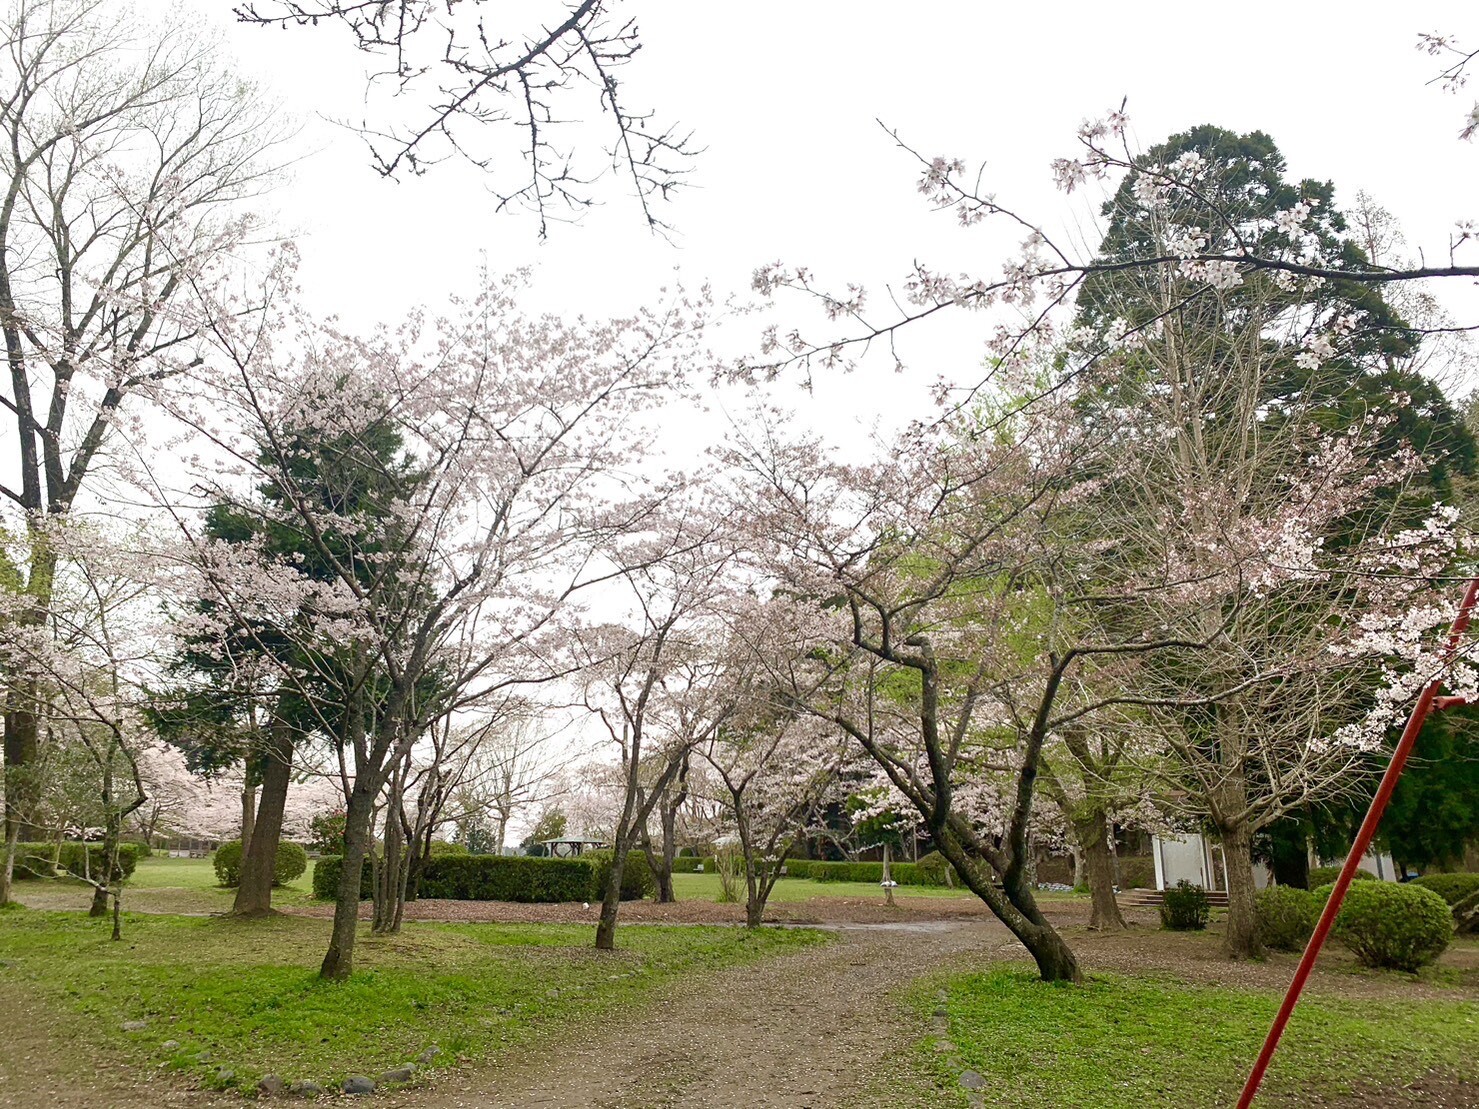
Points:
(446, 584)
(129, 153)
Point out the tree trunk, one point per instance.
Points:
(1092, 834)
(1015, 907)
(22, 730)
(339, 959)
(611, 901)
(248, 811)
(259, 852)
(1241, 940)
(7, 874)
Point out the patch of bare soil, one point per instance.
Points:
(47, 1062)
(817, 910)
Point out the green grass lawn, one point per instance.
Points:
(160, 885)
(247, 993)
(1120, 1041)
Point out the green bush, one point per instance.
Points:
(1286, 917)
(326, 878)
(1387, 924)
(1453, 888)
(506, 878)
(440, 848)
(906, 874)
(1326, 875)
(1185, 908)
(799, 868)
(31, 859)
(142, 848)
(935, 870)
(290, 863)
(689, 864)
(636, 877)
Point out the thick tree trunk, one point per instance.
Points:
(1015, 907)
(1092, 834)
(1241, 940)
(22, 729)
(339, 959)
(259, 852)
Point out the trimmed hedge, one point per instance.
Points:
(689, 864)
(1185, 908)
(636, 876)
(1390, 925)
(326, 878)
(1326, 875)
(70, 859)
(290, 863)
(506, 878)
(1286, 916)
(906, 874)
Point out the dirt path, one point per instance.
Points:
(808, 1029)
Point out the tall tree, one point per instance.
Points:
(127, 154)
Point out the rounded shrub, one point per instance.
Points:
(1286, 916)
(935, 870)
(1185, 908)
(290, 863)
(441, 848)
(1326, 875)
(1453, 888)
(227, 861)
(1386, 924)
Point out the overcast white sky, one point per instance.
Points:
(784, 96)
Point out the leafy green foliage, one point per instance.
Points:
(906, 874)
(1286, 917)
(326, 833)
(507, 878)
(1453, 888)
(1321, 876)
(689, 864)
(31, 860)
(1387, 924)
(289, 865)
(934, 869)
(636, 876)
(326, 874)
(1185, 908)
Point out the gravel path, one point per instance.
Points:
(805, 1030)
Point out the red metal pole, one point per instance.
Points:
(1362, 842)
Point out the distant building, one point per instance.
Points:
(1196, 859)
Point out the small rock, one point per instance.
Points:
(204, 1057)
(941, 1011)
(943, 1046)
(225, 1076)
(270, 1086)
(135, 1025)
(170, 1045)
(428, 1055)
(398, 1074)
(972, 1080)
(358, 1084)
(305, 1088)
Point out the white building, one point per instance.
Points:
(1196, 859)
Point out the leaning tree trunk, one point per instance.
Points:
(1092, 834)
(259, 853)
(611, 899)
(339, 959)
(1241, 940)
(1015, 907)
